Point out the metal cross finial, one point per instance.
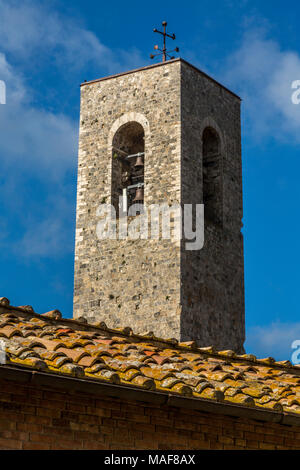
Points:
(164, 51)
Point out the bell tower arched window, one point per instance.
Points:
(128, 167)
(212, 176)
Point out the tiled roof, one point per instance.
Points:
(93, 352)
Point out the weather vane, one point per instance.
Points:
(164, 51)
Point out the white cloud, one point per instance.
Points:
(28, 27)
(21, 27)
(32, 137)
(36, 227)
(49, 237)
(17, 89)
(273, 340)
(36, 144)
(262, 73)
(33, 31)
(37, 141)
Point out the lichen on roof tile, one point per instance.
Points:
(49, 343)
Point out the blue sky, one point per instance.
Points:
(47, 48)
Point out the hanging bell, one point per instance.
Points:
(139, 162)
(139, 195)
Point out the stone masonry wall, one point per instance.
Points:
(213, 278)
(129, 283)
(153, 285)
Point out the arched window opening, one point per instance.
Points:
(212, 176)
(128, 167)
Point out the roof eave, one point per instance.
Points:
(75, 384)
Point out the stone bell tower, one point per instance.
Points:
(165, 133)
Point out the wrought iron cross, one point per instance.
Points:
(164, 51)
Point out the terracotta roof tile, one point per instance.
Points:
(94, 352)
